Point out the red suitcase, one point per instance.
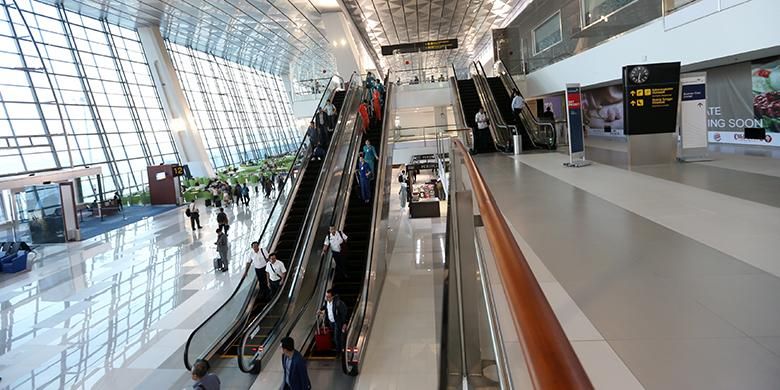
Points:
(323, 338)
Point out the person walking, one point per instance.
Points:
(222, 249)
(194, 215)
(222, 220)
(335, 241)
(364, 179)
(479, 134)
(204, 380)
(363, 111)
(337, 314)
(294, 365)
(275, 272)
(245, 194)
(269, 186)
(215, 199)
(369, 154)
(258, 257)
(402, 193)
(280, 183)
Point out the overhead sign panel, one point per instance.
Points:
(420, 46)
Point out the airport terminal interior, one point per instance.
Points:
(390, 194)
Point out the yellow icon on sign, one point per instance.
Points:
(639, 92)
(648, 92)
(640, 102)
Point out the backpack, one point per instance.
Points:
(400, 178)
(187, 212)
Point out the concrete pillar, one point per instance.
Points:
(185, 133)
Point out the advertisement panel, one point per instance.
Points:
(744, 95)
(693, 111)
(602, 111)
(651, 94)
(574, 111)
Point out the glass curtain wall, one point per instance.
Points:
(243, 114)
(77, 91)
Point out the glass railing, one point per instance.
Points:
(307, 265)
(427, 134)
(229, 317)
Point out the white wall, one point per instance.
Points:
(422, 95)
(305, 105)
(742, 28)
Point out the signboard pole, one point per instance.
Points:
(576, 137)
(693, 118)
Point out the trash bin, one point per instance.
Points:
(517, 142)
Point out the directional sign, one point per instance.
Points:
(651, 98)
(420, 46)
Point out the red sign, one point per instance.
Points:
(573, 100)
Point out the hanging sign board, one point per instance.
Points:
(416, 47)
(651, 94)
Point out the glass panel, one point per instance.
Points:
(593, 10)
(548, 33)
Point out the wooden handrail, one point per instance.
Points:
(550, 358)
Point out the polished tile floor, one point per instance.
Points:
(114, 312)
(402, 352)
(680, 282)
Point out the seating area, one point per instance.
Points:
(13, 257)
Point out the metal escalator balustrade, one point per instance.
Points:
(369, 277)
(266, 328)
(501, 130)
(217, 334)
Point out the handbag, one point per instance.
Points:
(187, 212)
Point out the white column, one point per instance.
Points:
(185, 133)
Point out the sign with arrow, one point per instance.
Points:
(652, 92)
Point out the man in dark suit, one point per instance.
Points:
(335, 311)
(295, 375)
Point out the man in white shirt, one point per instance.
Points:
(517, 107)
(258, 257)
(482, 128)
(330, 110)
(335, 241)
(275, 272)
(194, 215)
(337, 314)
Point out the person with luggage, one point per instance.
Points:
(335, 241)
(194, 214)
(258, 257)
(294, 365)
(222, 250)
(204, 380)
(336, 313)
(222, 220)
(365, 174)
(275, 272)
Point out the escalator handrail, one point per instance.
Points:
(527, 111)
(362, 298)
(549, 356)
(290, 280)
(500, 139)
(300, 150)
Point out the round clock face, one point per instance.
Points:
(639, 74)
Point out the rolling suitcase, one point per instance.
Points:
(218, 266)
(323, 337)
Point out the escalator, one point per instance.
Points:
(469, 101)
(219, 336)
(504, 106)
(537, 134)
(300, 244)
(357, 226)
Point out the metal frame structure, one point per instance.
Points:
(77, 91)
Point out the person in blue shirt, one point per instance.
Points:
(364, 178)
(369, 154)
(295, 375)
